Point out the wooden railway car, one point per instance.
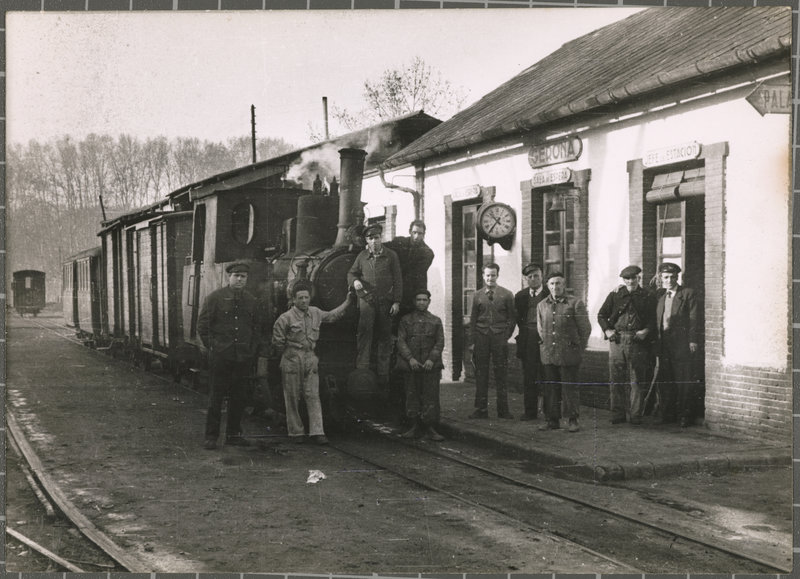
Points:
(28, 291)
(82, 293)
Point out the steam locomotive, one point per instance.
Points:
(139, 294)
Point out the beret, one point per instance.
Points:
(630, 271)
(531, 267)
(374, 228)
(422, 291)
(668, 267)
(238, 267)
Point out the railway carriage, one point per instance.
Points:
(28, 291)
(82, 293)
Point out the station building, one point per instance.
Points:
(662, 137)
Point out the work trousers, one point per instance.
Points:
(422, 395)
(300, 373)
(492, 347)
(375, 321)
(561, 384)
(226, 378)
(531, 375)
(678, 390)
(628, 361)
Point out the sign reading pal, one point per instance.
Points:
(772, 96)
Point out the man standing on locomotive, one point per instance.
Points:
(294, 337)
(420, 341)
(376, 277)
(415, 259)
(229, 325)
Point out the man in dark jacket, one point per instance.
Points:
(420, 341)
(627, 318)
(230, 327)
(526, 302)
(678, 320)
(415, 258)
(376, 277)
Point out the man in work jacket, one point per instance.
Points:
(230, 326)
(376, 277)
(294, 337)
(526, 302)
(627, 318)
(420, 341)
(415, 260)
(564, 331)
(677, 316)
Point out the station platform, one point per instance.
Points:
(603, 451)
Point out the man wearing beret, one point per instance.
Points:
(375, 275)
(678, 322)
(420, 341)
(229, 326)
(526, 301)
(627, 318)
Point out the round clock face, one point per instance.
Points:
(497, 220)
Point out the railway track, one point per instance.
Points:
(626, 541)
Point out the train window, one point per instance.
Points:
(243, 222)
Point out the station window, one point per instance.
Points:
(560, 222)
(470, 256)
(243, 222)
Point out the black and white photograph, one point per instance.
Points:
(418, 293)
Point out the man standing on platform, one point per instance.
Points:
(492, 321)
(420, 341)
(677, 316)
(627, 318)
(564, 329)
(295, 336)
(378, 281)
(229, 325)
(526, 303)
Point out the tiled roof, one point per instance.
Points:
(647, 53)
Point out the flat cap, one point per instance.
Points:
(668, 267)
(238, 267)
(553, 274)
(374, 228)
(630, 271)
(420, 292)
(531, 267)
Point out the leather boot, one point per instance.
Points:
(412, 432)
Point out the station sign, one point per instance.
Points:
(671, 154)
(559, 151)
(464, 193)
(551, 177)
(772, 97)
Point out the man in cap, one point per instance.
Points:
(492, 320)
(376, 277)
(627, 318)
(678, 321)
(420, 341)
(564, 331)
(230, 327)
(526, 302)
(295, 336)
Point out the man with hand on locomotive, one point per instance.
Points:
(376, 277)
(294, 337)
(230, 327)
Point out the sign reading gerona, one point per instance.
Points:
(560, 151)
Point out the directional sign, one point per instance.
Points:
(772, 96)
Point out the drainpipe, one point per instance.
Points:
(415, 195)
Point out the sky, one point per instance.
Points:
(197, 74)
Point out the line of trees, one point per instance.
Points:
(53, 188)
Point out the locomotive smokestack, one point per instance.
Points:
(350, 178)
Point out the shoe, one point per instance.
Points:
(433, 435)
(298, 439)
(210, 444)
(412, 432)
(549, 425)
(506, 415)
(237, 441)
(573, 426)
(320, 439)
(527, 417)
(479, 414)
(617, 420)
